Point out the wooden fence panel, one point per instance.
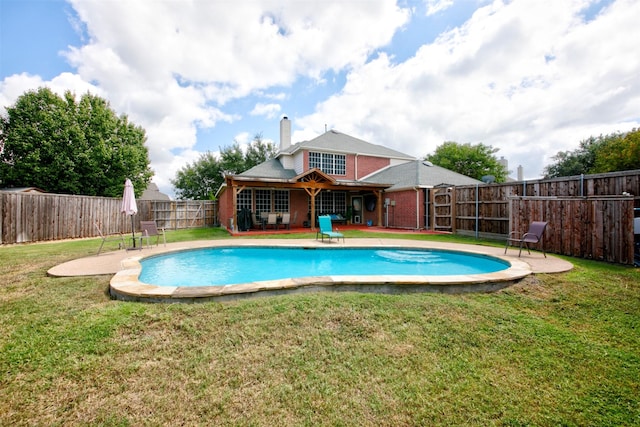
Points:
(606, 236)
(33, 217)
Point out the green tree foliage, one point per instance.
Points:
(472, 160)
(258, 151)
(201, 179)
(605, 153)
(620, 152)
(69, 147)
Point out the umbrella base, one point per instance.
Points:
(137, 244)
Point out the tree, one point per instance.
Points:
(579, 161)
(474, 161)
(70, 147)
(201, 179)
(259, 151)
(605, 153)
(619, 152)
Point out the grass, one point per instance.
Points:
(555, 350)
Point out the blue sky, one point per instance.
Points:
(529, 77)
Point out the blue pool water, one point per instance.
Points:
(225, 266)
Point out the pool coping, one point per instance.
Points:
(125, 285)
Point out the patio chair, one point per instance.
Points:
(286, 220)
(326, 229)
(534, 235)
(256, 222)
(150, 229)
(264, 216)
(272, 219)
(112, 238)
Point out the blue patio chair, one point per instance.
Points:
(326, 229)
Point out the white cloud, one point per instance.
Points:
(12, 87)
(268, 110)
(435, 6)
(172, 65)
(528, 77)
(243, 138)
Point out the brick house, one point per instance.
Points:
(336, 174)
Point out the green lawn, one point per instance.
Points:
(558, 349)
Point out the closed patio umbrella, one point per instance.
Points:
(129, 206)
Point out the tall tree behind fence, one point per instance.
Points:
(29, 217)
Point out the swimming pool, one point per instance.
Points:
(235, 265)
(127, 283)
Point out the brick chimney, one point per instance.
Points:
(285, 133)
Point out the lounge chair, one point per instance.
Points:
(326, 229)
(534, 235)
(112, 238)
(150, 229)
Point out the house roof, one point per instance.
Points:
(23, 190)
(410, 173)
(152, 192)
(338, 142)
(419, 173)
(272, 168)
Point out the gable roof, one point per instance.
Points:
(152, 192)
(315, 175)
(419, 173)
(23, 190)
(272, 168)
(339, 142)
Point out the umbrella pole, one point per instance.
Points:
(133, 233)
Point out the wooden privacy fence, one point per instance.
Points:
(484, 209)
(488, 210)
(184, 213)
(34, 217)
(599, 228)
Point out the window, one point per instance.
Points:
(330, 202)
(340, 162)
(315, 161)
(263, 200)
(332, 164)
(244, 200)
(281, 200)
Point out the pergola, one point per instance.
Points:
(312, 182)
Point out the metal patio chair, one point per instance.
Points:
(533, 236)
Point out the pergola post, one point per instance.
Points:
(379, 194)
(312, 192)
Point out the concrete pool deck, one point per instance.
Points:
(125, 267)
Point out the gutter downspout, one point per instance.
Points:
(417, 190)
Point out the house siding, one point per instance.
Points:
(299, 163)
(356, 166)
(225, 206)
(407, 213)
(366, 165)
